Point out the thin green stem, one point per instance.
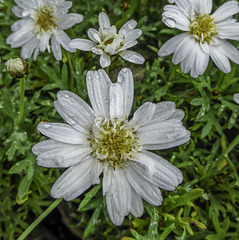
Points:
(71, 80)
(22, 95)
(231, 146)
(39, 219)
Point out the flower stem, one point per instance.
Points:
(39, 219)
(22, 95)
(232, 145)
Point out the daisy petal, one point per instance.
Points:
(122, 193)
(147, 191)
(202, 6)
(63, 155)
(170, 46)
(166, 176)
(230, 51)
(132, 56)
(133, 35)
(127, 27)
(95, 171)
(177, 142)
(227, 10)
(143, 115)
(44, 42)
(137, 208)
(56, 48)
(105, 60)
(115, 217)
(173, 17)
(75, 111)
(145, 161)
(61, 132)
(189, 61)
(107, 180)
(116, 101)
(26, 4)
(163, 111)
(18, 11)
(166, 132)
(104, 21)
(183, 49)
(94, 35)
(220, 59)
(64, 40)
(201, 63)
(29, 47)
(69, 20)
(98, 85)
(228, 30)
(82, 44)
(73, 182)
(126, 81)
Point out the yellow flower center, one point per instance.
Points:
(113, 142)
(45, 19)
(203, 28)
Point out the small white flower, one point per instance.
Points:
(236, 98)
(101, 139)
(17, 67)
(205, 35)
(107, 42)
(42, 21)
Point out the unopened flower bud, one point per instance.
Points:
(17, 67)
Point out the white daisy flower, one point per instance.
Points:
(42, 21)
(107, 42)
(102, 139)
(205, 35)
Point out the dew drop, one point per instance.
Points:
(59, 160)
(71, 121)
(47, 126)
(132, 25)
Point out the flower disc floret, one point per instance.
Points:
(111, 42)
(45, 19)
(113, 141)
(203, 28)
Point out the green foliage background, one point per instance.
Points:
(204, 206)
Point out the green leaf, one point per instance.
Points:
(137, 235)
(153, 226)
(185, 199)
(166, 232)
(24, 187)
(93, 221)
(89, 196)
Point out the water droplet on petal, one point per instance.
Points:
(47, 125)
(59, 160)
